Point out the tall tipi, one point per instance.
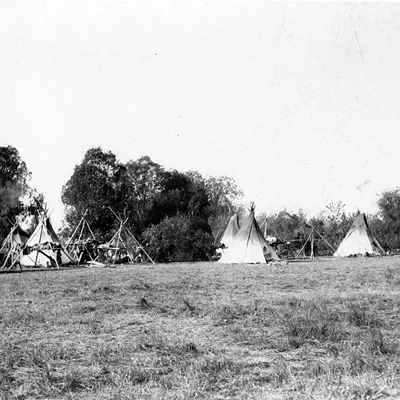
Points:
(249, 245)
(359, 240)
(231, 231)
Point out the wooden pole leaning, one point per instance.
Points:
(131, 234)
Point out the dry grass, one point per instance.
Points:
(322, 330)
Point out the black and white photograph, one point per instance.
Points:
(199, 200)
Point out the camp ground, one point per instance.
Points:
(242, 242)
(224, 186)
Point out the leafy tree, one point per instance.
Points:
(288, 226)
(380, 230)
(144, 180)
(148, 196)
(389, 213)
(223, 195)
(14, 177)
(179, 238)
(389, 207)
(94, 186)
(179, 193)
(179, 228)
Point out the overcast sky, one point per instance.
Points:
(299, 103)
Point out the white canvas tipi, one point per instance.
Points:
(231, 231)
(359, 240)
(249, 245)
(43, 247)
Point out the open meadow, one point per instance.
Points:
(307, 330)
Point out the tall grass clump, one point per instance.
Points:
(314, 322)
(362, 314)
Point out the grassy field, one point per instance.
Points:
(321, 330)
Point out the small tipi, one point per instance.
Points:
(359, 240)
(43, 247)
(231, 231)
(249, 245)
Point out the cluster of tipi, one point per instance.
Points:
(241, 245)
(248, 245)
(43, 248)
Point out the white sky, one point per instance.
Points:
(299, 103)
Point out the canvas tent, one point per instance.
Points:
(43, 247)
(359, 240)
(231, 231)
(249, 245)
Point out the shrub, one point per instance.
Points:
(179, 238)
(313, 322)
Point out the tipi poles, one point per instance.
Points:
(82, 229)
(11, 250)
(76, 246)
(8, 256)
(68, 256)
(304, 245)
(73, 235)
(90, 230)
(7, 239)
(110, 241)
(87, 225)
(131, 234)
(118, 240)
(145, 252)
(15, 260)
(82, 221)
(18, 256)
(312, 245)
(40, 241)
(327, 242)
(69, 242)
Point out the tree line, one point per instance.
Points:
(177, 215)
